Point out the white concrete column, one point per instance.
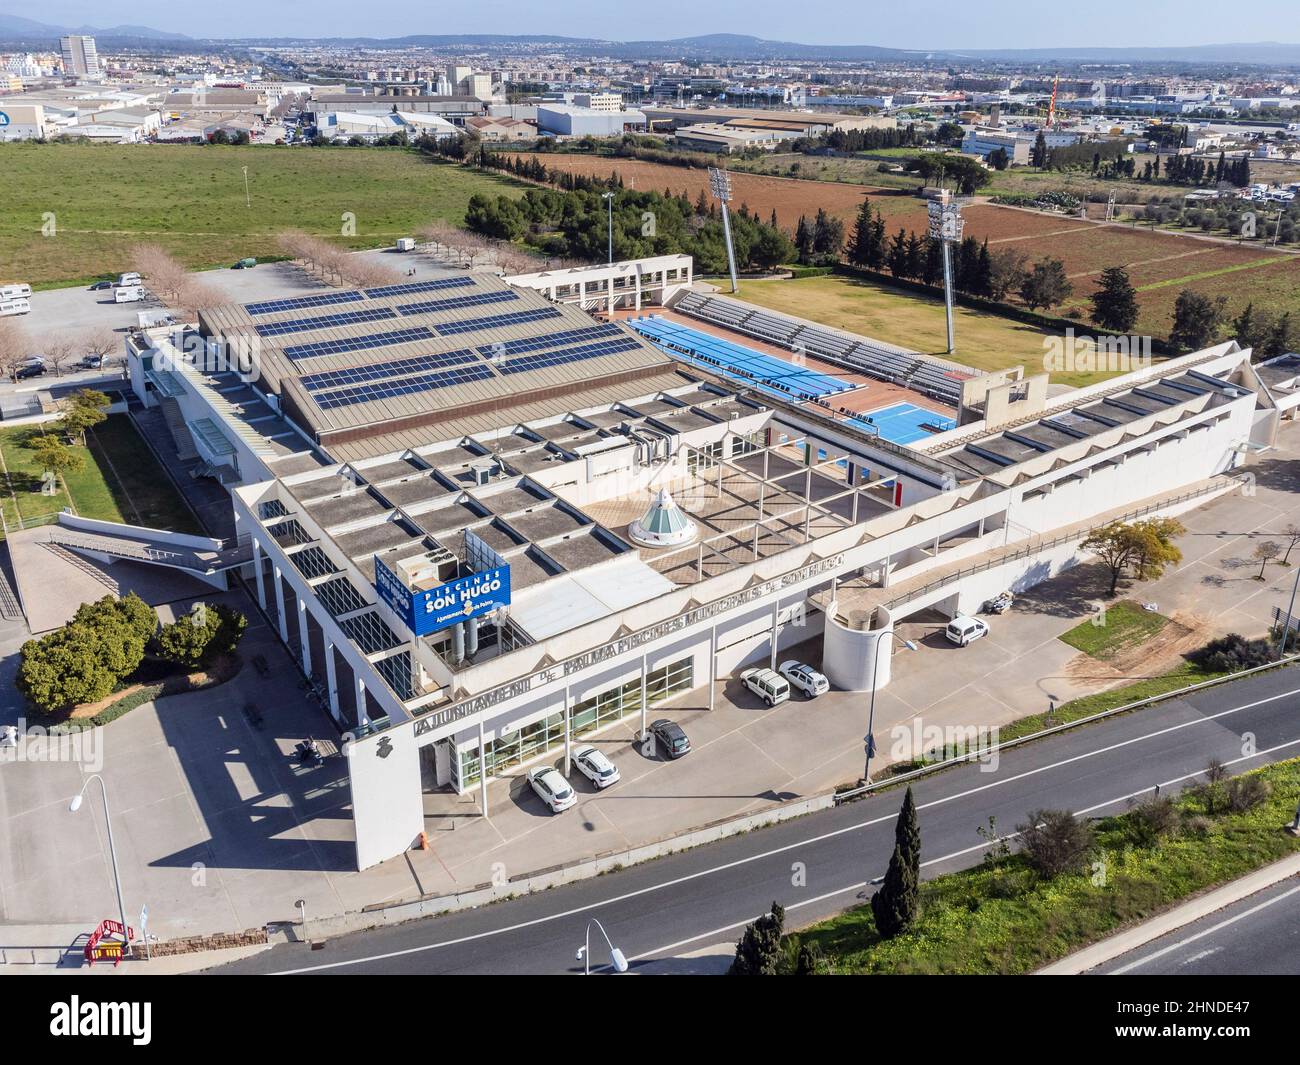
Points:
(257, 572)
(304, 635)
(713, 665)
(643, 668)
(279, 604)
(362, 717)
(610, 290)
(482, 771)
(331, 680)
(568, 732)
(776, 620)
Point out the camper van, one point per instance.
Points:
(128, 280)
(15, 292)
(11, 307)
(129, 294)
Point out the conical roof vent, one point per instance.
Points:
(663, 525)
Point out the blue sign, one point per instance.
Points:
(4, 119)
(446, 605)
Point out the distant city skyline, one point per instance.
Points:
(993, 24)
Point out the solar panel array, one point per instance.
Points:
(518, 347)
(299, 303)
(403, 386)
(571, 354)
(319, 348)
(316, 382)
(496, 321)
(429, 306)
(418, 286)
(302, 325)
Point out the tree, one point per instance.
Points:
(1114, 304)
(1153, 546)
(1038, 154)
(1250, 329)
(60, 350)
(895, 906)
(1006, 272)
(1292, 536)
(86, 409)
(55, 457)
(1196, 319)
(1045, 285)
(1115, 546)
(196, 638)
(14, 347)
(1264, 554)
(1056, 842)
(759, 949)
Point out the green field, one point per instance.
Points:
(119, 480)
(984, 341)
(190, 198)
(1126, 625)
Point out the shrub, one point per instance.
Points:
(1245, 793)
(1151, 820)
(1231, 653)
(1056, 842)
(208, 631)
(759, 949)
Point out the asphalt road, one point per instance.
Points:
(821, 864)
(1259, 936)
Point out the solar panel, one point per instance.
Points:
(418, 286)
(404, 386)
(316, 382)
(457, 301)
(318, 348)
(518, 347)
(563, 355)
(302, 325)
(496, 321)
(299, 303)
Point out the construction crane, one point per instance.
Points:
(1051, 107)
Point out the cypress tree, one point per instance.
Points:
(896, 904)
(1114, 304)
(759, 949)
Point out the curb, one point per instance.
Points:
(1184, 913)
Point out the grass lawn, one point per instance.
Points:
(1125, 626)
(1002, 918)
(190, 198)
(119, 480)
(984, 341)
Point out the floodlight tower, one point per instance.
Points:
(720, 186)
(946, 227)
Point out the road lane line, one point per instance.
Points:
(1201, 935)
(649, 889)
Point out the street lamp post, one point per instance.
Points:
(302, 910)
(871, 716)
(248, 201)
(615, 955)
(609, 200)
(74, 806)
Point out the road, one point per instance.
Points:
(1259, 936)
(821, 864)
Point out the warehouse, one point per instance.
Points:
(488, 524)
(562, 120)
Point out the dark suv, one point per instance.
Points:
(671, 737)
(31, 369)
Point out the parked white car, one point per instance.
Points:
(593, 765)
(767, 685)
(962, 630)
(803, 677)
(552, 788)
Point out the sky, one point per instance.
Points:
(947, 24)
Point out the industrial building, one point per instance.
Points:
(564, 120)
(441, 488)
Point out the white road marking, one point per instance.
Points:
(1201, 935)
(649, 889)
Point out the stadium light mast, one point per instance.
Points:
(720, 186)
(946, 227)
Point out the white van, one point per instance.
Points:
(15, 292)
(962, 630)
(767, 684)
(127, 280)
(10, 307)
(129, 294)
